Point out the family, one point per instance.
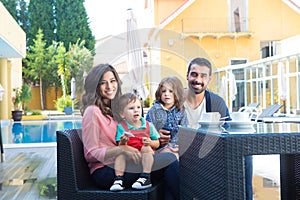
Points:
(125, 150)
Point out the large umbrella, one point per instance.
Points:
(282, 85)
(135, 57)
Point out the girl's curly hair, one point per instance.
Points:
(177, 88)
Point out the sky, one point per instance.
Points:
(109, 17)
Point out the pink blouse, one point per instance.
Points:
(98, 134)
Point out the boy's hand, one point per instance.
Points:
(123, 139)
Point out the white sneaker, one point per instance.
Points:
(117, 186)
(142, 183)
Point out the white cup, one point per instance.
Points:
(240, 116)
(210, 117)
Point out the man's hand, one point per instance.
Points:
(164, 137)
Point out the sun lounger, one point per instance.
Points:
(267, 113)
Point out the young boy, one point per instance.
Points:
(135, 131)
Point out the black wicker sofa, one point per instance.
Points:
(73, 178)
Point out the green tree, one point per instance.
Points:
(37, 63)
(41, 16)
(63, 61)
(72, 23)
(52, 78)
(61, 20)
(22, 15)
(49, 24)
(81, 61)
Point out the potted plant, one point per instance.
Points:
(147, 102)
(65, 104)
(22, 96)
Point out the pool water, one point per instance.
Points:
(36, 131)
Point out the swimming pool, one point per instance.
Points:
(35, 132)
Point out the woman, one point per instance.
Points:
(102, 90)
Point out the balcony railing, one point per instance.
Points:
(258, 82)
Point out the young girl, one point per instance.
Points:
(134, 131)
(168, 111)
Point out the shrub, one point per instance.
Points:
(22, 96)
(63, 102)
(36, 112)
(147, 103)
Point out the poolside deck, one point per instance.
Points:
(25, 170)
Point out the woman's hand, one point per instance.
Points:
(164, 137)
(131, 153)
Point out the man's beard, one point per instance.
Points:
(197, 91)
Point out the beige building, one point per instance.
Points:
(229, 30)
(236, 32)
(12, 50)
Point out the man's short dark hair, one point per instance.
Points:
(201, 62)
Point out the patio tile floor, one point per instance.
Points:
(25, 170)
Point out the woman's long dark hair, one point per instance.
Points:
(92, 94)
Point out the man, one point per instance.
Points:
(199, 100)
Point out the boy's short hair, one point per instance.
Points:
(123, 101)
